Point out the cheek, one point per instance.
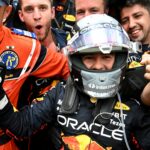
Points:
(110, 64)
(47, 18)
(144, 24)
(46, 22)
(125, 26)
(87, 64)
(29, 22)
(27, 18)
(102, 10)
(78, 17)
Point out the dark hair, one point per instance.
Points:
(116, 6)
(129, 3)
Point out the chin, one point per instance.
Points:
(138, 38)
(41, 39)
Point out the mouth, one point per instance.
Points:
(38, 27)
(135, 33)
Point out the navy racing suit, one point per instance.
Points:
(82, 129)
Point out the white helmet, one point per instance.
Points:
(98, 33)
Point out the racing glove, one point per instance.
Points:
(134, 82)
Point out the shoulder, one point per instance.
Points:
(131, 104)
(23, 33)
(60, 37)
(55, 94)
(58, 89)
(24, 39)
(59, 86)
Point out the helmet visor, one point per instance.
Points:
(103, 38)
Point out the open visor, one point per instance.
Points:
(104, 37)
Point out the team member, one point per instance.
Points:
(85, 8)
(24, 56)
(37, 16)
(88, 112)
(134, 17)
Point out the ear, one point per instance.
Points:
(7, 12)
(20, 15)
(53, 13)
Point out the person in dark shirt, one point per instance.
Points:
(134, 17)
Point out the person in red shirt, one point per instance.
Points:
(24, 56)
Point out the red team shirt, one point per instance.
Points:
(21, 52)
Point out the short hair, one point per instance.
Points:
(20, 3)
(106, 3)
(129, 3)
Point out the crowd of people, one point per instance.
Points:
(74, 74)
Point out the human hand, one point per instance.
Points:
(146, 61)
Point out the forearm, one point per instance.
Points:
(17, 122)
(20, 123)
(11, 120)
(24, 122)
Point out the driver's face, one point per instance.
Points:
(99, 61)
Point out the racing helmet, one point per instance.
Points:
(98, 33)
(4, 2)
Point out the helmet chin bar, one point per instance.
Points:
(101, 84)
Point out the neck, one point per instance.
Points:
(49, 42)
(146, 40)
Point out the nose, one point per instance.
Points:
(98, 65)
(131, 23)
(87, 13)
(36, 14)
